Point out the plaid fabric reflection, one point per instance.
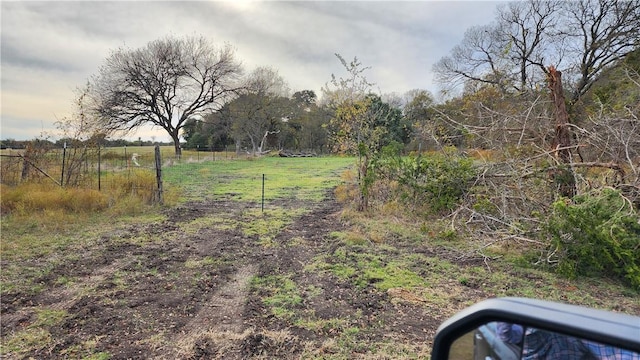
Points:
(539, 344)
(606, 352)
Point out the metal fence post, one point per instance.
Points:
(158, 175)
(99, 184)
(64, 156)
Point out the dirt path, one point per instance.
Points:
(158, 291)
(196, 286)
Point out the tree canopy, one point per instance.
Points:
(165, 83)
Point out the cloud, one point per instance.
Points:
(50, 48)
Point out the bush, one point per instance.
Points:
(596, 234)
(438, 181)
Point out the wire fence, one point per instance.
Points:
(95, 168)
(197, 175)
(266, 180)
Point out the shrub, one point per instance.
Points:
(596, 234)
(438, 181)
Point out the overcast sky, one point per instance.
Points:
(48, 49)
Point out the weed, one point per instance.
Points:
(448, 235)
(391, 275)
(282, 294)
(34, 336)
(26, 340)
(326, 326)
(48, 317)
(98, 356)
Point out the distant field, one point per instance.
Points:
(301, 178)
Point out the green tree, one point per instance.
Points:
(419, 113)
(304, 129)
(361, 124)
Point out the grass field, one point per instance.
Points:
(300, 178)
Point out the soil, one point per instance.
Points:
(188, 295)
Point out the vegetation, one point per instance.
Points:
(169, 78)
(336, 293)
(498, 189)
(597, 233)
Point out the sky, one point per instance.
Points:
(49, 49)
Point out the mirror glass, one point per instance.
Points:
(507, 341)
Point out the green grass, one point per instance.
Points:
(36, 335)
(281, 295)
(376, 252)
(265, 225)
(299, 178)
(367, 265)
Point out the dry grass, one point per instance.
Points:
(30, 197)
(27, 198)
(39, 217)
(485, 155)
(218, 343)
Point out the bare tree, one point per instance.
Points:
(581, 38)
(82, 137)
(528, 27)
(257, 112)
(479, 58)
(601, 33)
(164, 84)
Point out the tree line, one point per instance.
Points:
(60, 143)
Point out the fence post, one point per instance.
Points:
(262, 192)
(158, 175)
(25, 163)
(99, 184)
(64, 156)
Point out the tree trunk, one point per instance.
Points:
(365, 183)
(176, 145)
(254, 147)
(264, 138)
(564, 178)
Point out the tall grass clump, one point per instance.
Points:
(29, 198)
(37, 197)
(39, 217)
(137, 184)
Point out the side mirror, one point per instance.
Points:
(518, 328)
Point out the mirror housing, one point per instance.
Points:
(615, 329)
